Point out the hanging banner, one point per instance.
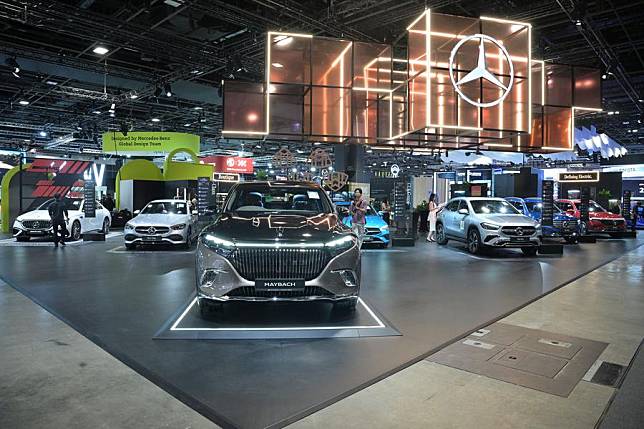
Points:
(230, 164)
(148, 143)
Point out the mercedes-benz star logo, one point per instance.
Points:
(519, 231)
(481, 71)
(152, 230)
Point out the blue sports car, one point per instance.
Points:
(564, 225)
(376, 229)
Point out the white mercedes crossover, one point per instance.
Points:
(36, 223)
(162, 222)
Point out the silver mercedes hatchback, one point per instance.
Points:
(487, 222)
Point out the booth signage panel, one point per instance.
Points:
(149, 143)
(230, 164)
(547, 203)
(579, 176)
(585, 203)
(626, 205)
(203, 194)
(89, 206)
(225, 177)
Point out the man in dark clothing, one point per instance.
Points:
(108, 203)
(58, 214)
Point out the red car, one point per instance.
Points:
(600, 220)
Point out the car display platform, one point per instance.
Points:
(274, 320)
(432, 295)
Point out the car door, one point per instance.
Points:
(448, 217)
(459, 219)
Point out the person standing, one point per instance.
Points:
(431, 217)
(358, 211)
(635, 214)
(386, 210)
(108, 203)
(58, 214)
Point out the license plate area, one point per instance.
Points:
(276, 285)
(151, 238)
(519, 239)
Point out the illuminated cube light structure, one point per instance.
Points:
(464, 83)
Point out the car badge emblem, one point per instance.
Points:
(151, 230)
(481, 71)
(36, 224)
(519, 231)
(255, 222)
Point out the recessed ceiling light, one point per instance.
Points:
(23, 102)
(278, 65)
(198, 108)
(101, 50)
(156, 120)
(96, 112)
(51, 82)
(43, 134)
(186, 125)
(111, 115)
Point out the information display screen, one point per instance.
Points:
(547, 200)
(203, 195)
(89, 192)
(583, 206)
(626, 205)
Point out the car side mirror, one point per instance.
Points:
(463, 211)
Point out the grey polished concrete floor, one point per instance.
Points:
(53, 377)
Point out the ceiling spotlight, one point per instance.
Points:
(24, 102)
(156, 120)
(278, 65)
(15, 67)
(51, 82)
(198, 108)
(113, 106)
(100, 50)
(96, 112)
(43, 134)
(134, 95)
(168, 90)
(112, 115)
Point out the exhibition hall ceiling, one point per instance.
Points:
(73, 69)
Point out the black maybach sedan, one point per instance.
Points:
(277, 241)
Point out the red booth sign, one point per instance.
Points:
(230, 164)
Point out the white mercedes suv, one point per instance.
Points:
(162, 222)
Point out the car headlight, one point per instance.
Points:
(490, 226)
(178, 227)
(384, 228)
(340, 245)
(221, 246)
(129, 227)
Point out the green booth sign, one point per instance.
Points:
(148, 143)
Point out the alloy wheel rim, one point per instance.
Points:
(473, 242)
(439, 232)
(76, 231)
(106, 226)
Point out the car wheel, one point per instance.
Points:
(23, 238)
(474, 245)
(76, 231)
(440, 234)
(106, 226)
(570, 239)
(583, 228)
(208, 309)
(344, 307)
(130, 246)
(529, 251)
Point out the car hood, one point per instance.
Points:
(276, 227)
(563, 217)
(40, 215)
(604, 215)
(158, 219)
(505, 219)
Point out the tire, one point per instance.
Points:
(106, 226)
(529, 251)
(188, 243)
(474, 245)
(130, 246)
(75, 233)
(441, 238)
(345, 307)
(209, 310)
(23, 239)
(570, 239)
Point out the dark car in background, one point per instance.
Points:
(277, 241)
(563, 225)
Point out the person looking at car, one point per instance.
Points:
(358, 209)
(431, 217)
(58, 214)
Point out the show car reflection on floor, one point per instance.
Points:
(487, 222)
(37, 223)
(162, 222)
(277, 241)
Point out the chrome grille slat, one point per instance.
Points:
(158, 229)
(272, 263)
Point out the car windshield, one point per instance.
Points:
(593, 207)
(278, 199)
(71, 203)
(534, 206)
(517, 205)
(371, 211)
(166, 207)
(564, 206)
(493, 207)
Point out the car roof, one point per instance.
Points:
(481, 198)
(168, 201)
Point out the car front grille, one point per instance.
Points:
(564, 224)
(251, 292)
(37, 224)
(372, 231)
(518, 231)
(147, 229)
(283, 264)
